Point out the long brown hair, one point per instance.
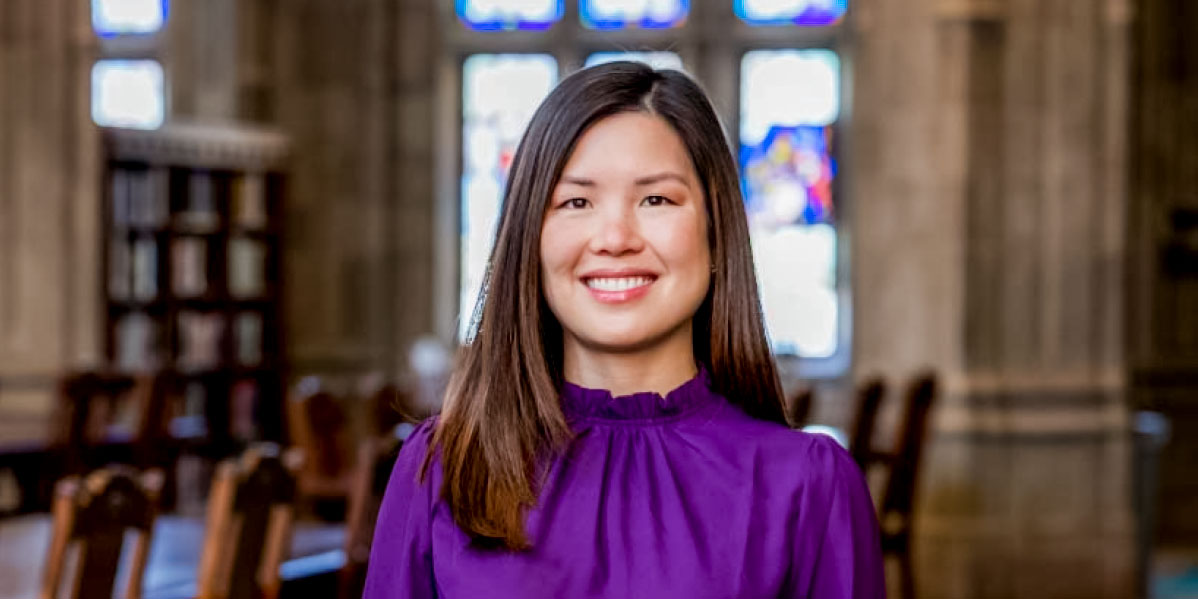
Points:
(502, 413)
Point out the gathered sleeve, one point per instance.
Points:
(401, 565)
(838, 552)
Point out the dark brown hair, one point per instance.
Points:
(502, 414)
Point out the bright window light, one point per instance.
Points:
(657, 60)
(128, 93)
(122, 17)
(811, 13)
(789, 103)
(625, 14)
(499, 15)
(500, 92)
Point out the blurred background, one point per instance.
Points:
(975, 224)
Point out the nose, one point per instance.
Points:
(617, 231)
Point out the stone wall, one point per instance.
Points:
(988, 242)
(49, 200)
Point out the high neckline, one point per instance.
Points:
(582, 403)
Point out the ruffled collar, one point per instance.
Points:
(581, 403)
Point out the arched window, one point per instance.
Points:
(128, 86)
(775, 70)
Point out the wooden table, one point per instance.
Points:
(174, 556)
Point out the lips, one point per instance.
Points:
(612, 287)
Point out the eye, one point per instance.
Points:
(575, 203)
(656, 201)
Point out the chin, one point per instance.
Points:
(623, 341)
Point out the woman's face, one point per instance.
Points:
(624, 256)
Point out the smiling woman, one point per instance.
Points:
(614, 427)
(625, 263)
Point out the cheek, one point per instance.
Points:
(558, 253)
(684, 244)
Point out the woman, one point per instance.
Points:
(614, 427)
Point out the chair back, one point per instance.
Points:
(318, 426)
(248, 528)
(388, 404)
(153, 395)
(92, 515)
(376, 459)
(88, 405)
(869, 401)
(899, 497)
(798, 409)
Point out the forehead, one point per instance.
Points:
(629, 144)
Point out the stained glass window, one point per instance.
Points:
(128, 93)
(121, 17)
(657, 60)
(622, 14)
(789, 104)
(498, 15)
(500, 92)
(791, 12)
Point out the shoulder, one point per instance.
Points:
(409, 474)
(800, 458)
(419, 435)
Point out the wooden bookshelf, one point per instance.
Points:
(193, 224)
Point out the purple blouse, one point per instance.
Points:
(683, 496)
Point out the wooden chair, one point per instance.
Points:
(388, 406)
(869, 401)
(798, 408)
(376, 459)
(88, 405)
(318, 426)
(248, 528)
(898, 501)
(93, 514)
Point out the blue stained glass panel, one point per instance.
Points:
(657, 60)
(501, 15)
(789, 105)
(123, 17)
(500, 93)
(128, 93)
(810, 13)
(627, 14)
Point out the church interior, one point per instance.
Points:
(240, 241)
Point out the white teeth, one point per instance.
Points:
(618, 284)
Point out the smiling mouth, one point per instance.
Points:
(616, 284)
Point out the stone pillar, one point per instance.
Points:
(1163, 237)
(50, 250)
(989, 195)
(352, 88)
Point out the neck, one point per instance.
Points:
(660, 368)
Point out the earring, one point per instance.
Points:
(713, 268)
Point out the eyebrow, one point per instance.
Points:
(641, 181)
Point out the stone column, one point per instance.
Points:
(351, 87)
(990, 189)
(49, 200)
(1163, 237)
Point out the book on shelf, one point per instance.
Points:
(189, 266)
(199, 340)
(148, 197)
(247, 267)
(136, 343)
(249, 201)
(244, 399)
(119, 270)
(120, 197)
(249, 338)
(199, 213)
(145, 269)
